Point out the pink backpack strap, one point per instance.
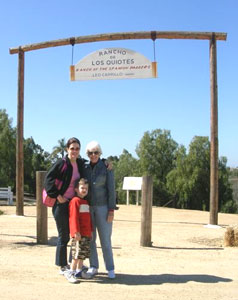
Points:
(64, 166)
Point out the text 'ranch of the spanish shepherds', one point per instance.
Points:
(113, 63)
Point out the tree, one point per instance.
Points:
(233, 172)
(199, 167)
(35, 159)
(113, 159)
(227, 203)
(60, 149)
(7, 150)
(189, 181)
(157, 153)
(177, 179)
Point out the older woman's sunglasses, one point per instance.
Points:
(93, 152)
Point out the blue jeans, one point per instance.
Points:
(99, 220)
(61, 215)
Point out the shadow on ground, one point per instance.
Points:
(52, 241)
(184, 248)
(129, 279)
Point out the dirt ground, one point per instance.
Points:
(187, 260)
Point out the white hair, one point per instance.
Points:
(93, 145)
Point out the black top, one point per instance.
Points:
(55, 172)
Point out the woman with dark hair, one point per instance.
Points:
(67, 170)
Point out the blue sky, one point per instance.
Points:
(118, 112)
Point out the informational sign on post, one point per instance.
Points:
(132, 184)
(113, 63)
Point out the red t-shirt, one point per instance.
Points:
(79, 217)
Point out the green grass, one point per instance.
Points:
(1, 212)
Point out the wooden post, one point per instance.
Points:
(122, 36)
(19, 140)
(146, 211)
(42, 214)
(214, 135)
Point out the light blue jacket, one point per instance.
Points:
(101, 185)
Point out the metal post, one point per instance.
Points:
(127, 197)
(137, 197)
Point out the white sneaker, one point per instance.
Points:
(111, 274)
(69, 275)
(82, 274)
(64, 269)
(84, 268)
(91, 272)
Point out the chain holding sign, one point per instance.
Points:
(113, 63)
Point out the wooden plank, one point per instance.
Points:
(122, 36)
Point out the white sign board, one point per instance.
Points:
(113, 63)
(132, 183)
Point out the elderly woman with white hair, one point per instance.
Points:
(102, 199)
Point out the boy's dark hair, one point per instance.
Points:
(80, 181)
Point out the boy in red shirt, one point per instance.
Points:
(80, 231)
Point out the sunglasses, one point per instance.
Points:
(93, 152)
(72, 149)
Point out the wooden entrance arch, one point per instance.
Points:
(211, 36)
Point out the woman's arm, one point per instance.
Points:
(111, 190)
(50, 178)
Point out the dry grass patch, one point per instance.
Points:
(231, 236)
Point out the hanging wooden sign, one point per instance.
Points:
(113, 63)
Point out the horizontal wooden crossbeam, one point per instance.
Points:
(122, 36)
